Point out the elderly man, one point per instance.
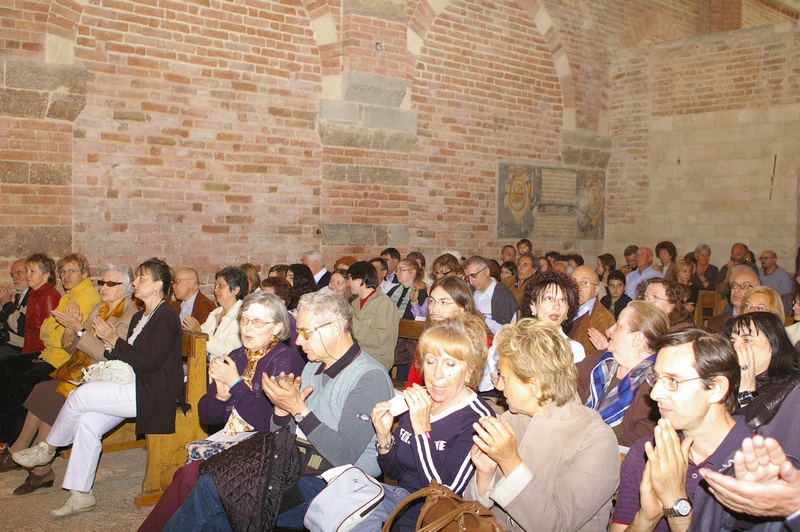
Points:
(375, 316)
(630, 259)
(508, 254)
(316, 263)
(695, 382)
(13, 299)
(18, 375)
(383, 270)
(773, 275)
(492, 299)
(191, 301)
(738, 254)
(527, 266)
(329, 406)
(742, 279)
(590, 313)
(644, 270)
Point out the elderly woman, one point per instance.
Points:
(235, 396)
(705, 273)
(669, 297)
(445, 265)
(763, 299)
(453, 352)
(613, 382)
(549, 463)
(79, 339)
(153, 350)
(222, 324)
(553, 297)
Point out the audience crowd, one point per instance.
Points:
(559, 393)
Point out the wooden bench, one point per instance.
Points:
(410, 329)
(709, 304)
(167, 452)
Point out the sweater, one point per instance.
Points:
(375, 327)
(223, 337)
(51, 332)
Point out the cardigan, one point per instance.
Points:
(222, 338)
(155, 357)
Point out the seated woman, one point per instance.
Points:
(302, 281)
(508, 270)
(613, 383)
(553, 298)
(222, 325)
(79, 339)
(445, 265)
(763, 299)
(153, 349)
(253, 279)
(281, 288)
(549, 463)
(338, 284)
(684, 272)
(235, 396)
(410, 296)
(669, 297)
(278, 270)
(769, 364)
(453, 354)
(606, 263)
(705, 273)
(40, 275)
(666, 252)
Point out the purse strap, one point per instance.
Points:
(434, 489)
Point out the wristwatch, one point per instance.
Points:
(302, 415)
(80, 333)
(746, 397)
(682, 508)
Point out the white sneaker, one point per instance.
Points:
(37, 455)
(78, 502)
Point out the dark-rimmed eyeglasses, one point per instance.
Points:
(110, 284)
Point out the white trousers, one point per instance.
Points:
(90, 411)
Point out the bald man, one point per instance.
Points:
(644, 270)
(191, 301)
(743, 278)
(590, 313)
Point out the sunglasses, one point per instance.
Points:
(110, 284)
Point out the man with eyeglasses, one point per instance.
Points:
(190, 300)
(13, 300)
(742, 279)
(590, 313)
(739, 253)
(695, 381)
(494, 300)
(375, 316)
(773, 275)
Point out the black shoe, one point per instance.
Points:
(7, 463)
(34, 482)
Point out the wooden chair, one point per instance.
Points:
(167, 452)
(708, 305)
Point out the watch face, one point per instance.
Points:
(683, 507)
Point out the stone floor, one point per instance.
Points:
(119, 478)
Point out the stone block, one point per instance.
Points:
(381, 9)
(39, 76)
(393, 141)
(571, 155)
(66, 106)
(374, 89)
(373, 175)
(51, 174)
(344, 135)
(391, 119)
(25, 103)
(14, 172)
(348, 234)
(396, 235)
(342, 112)
(54, 240)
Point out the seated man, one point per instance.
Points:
(316, 263)
(630, 259)
(329, 406)
(695, 381)
(739, 253)
(492, 299)
(742, 279)
(644, 271)
(13, 300)
(527, 267)
(375, 316)
(590, 313)
(191, 301)
(508, 254)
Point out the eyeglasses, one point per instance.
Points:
(755, 308)
(586, 282)
(404, 270)
(110, 284)
(221, 286)
(653, 298)
(71, 271)
(255, 322)
(474, 275)
(443, 273)
(670, 383)
(443, 302)
(177, 281)
(305, 333)
(740, 286)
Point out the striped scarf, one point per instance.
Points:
(401, 297)
(612, 404)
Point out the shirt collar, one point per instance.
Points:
(339, 366)
(586, 307)
(319, 274)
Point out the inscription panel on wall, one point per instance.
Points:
(548, 202)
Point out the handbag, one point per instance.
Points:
(72, 370)
(344, 502)
(446, 512)
(109, 371)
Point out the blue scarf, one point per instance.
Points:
(612, 404)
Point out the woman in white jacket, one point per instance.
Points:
(222, 325)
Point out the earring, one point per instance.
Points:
(155, 293)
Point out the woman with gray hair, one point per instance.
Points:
(705, 274)
(46, 399)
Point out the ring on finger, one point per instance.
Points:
(744, 368)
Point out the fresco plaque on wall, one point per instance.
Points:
(549, 202)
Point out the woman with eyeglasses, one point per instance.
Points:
(79, 339)
(446, 265)
(553, 297)
(153, 350)
(235, 397)
(670, 297)
(763, 299)
(222, 325)
(612, 381)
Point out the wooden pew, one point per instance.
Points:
(708, 304)
(167, 452)
(410, 329)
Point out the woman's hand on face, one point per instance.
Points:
(599, 340)
(190, 324)
(747, 364)
(223, 370)
(497, 438)
(105, 331)
(382, 419)
(419, 408)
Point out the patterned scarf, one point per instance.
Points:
(236, 423)
(613, 405)
(401, 297)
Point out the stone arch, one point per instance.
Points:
(426, 12)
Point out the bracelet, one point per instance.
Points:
(386, 447)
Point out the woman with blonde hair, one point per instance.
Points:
(532, 464)
(763, 299)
